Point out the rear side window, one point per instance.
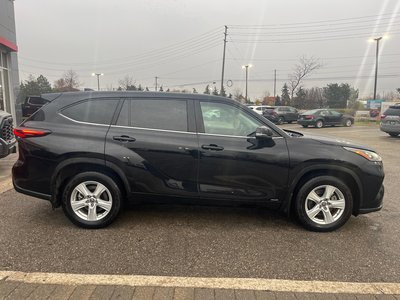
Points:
(37, 101)
(99, 111)
(393, 111)
(155, 114)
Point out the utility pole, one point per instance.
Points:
(247, 77)
(376, 64)
(156, 83)
(275, 83)
(223, 59)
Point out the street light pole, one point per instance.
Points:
(247, 76)
(376, 64)
(98, 79)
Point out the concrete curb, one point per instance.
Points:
(274, 285)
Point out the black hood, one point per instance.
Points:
(329, 140)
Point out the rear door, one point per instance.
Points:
(154, 143)
(336, 117)
(234, 165)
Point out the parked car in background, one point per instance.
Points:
(91, 152)
(281, 114)
(390, 120)
(324, 117)
(32, 104)
(7, 138)
(259, 108)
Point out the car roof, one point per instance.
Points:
(124, 94)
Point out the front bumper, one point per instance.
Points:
(389, 128)
(7, 147)
(375, 205)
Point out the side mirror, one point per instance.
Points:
(263, 133)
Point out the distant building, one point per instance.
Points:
(9, 79)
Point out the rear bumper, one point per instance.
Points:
(306, 122)
(31, 193)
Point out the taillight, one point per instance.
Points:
(309, 117)
(383, 116)
(29, 132)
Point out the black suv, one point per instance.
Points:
(281, 114)
(91, 152)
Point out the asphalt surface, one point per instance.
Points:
(211, 241)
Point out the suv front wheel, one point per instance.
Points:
(91, 200)
(324, 204)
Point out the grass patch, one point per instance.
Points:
(367, 123)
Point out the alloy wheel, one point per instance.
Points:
(325, 204)
(91, 201)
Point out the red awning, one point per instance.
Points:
(8, 44)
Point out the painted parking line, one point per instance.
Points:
(275, 285)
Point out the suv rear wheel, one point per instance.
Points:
(324, 204)
(394, 134)
(91, 200)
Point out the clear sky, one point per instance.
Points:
(181, 41)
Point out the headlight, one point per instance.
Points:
(371, 156)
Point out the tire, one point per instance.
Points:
(305, 126)
(348, 123)
(319, 124)
(316, 213)
(281, 120)
(393, 134)
(84, 185)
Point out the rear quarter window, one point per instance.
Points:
(99, 111)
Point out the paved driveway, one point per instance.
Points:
(210, 241)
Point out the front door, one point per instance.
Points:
(233, 164)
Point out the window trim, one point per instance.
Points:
(60, 111)
(189, 114)
(200, 121)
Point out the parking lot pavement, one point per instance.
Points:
(211, 241)
(5, 171)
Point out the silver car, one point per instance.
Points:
(390, 120)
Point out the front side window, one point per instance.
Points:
(99, 111)
(155, 114)
(221, 118)
(335, 113)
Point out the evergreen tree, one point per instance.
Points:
(140, 88)
(215, 91)
(167, 90)
(194, 91)
(337, 95)
(285, 97)
(207, 90)
(161, 89)
(223, 92)
(300, 98)
(147, 89)
(230, 96)
(278, 101)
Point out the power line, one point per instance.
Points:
(315, 23)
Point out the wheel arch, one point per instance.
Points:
(348, 176)
(68, 168)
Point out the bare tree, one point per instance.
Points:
(302, 70)
(238, 95)
(68, 82)
(126, 82)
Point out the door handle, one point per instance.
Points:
(212, 147)
(124, 138)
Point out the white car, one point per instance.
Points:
(259, 108)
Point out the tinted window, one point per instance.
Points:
(335, 113)
(92, 111)
(37, 101)
(159, 114)
(392, 111)
(220, 118)
(123, 118)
